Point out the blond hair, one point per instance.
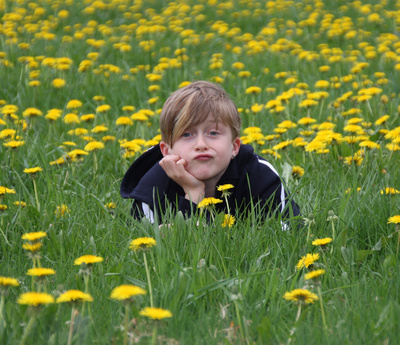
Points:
(192, 104)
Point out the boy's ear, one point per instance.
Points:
(236, 146)
(165, 148)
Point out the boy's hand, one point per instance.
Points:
(175, 167)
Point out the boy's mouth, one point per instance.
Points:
(203, 157)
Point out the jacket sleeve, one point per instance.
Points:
(272, 192)
(141, 210)
(187, 207)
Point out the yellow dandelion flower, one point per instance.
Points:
(103, 108)
(393, 147)
(125, 292)
(19, 203)
(208, 202)
(139, 116)
(32, 170)
(87, 117)
(35, 299)
(142, 243)
(7, 281)
(96, 129)
(249, 130)
(74, 104)
(88, 260)
(394, 220)
(273, 104)
(74, 296)
(14, 144)
(225, 187)
(314, 274)
(322, 241)
(238, 65)
(183, 84)
(301, 296)
(322, 84)
(307, 103)
(382, 120)
(253, 90)
(287, 124)
(7, 133)
(244, 74)
(110, 205)
(71, 118)
(356, 159)
(40, 272)
(5, 190)
(369, 144)
(282, 145)
(33, 236)
(152, 88)
(297, 171)
(3, 207)
(108, 138)
(155, 313)
(68, 143)
(31, 112)
(77, 153)
(124, 121)
(58, 83)
(61, 210)
(130, 108)
(32, 247)
(53, 114)
(352, 128)
(307, 260)
(390, 190)
(78, 131)
(97, 98)
(229, 220)
(94, 145)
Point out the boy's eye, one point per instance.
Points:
(186, 135)
(213, 132)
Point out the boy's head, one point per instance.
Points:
(192, 104)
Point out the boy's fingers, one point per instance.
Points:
(181, 162)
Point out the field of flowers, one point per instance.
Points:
(82, 84)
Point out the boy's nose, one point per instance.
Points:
(201, 143)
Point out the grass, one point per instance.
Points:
(222, 285)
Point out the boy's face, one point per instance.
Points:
(206, 148)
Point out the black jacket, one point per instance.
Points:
(253, 178)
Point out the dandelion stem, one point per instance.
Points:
(333, 235)
(322, 307)
(154, 335)
(148, 279)
(86, 279)
(293, 330)
(227, 204)
(238, 316)
(398, 239)
(2, 317)
(126, 324)
(308, 232)
(27, 330)
(94, 163)
(1, 230)
(36, 195)
(71, 326)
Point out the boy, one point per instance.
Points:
(200, 150)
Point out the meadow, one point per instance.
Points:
(82, 84)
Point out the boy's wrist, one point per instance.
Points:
(195, 196)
